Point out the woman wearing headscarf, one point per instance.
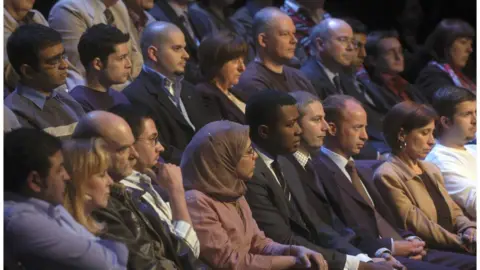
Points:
(215, 166)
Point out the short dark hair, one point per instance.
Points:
(135, 117)
(26, 42)
(27, 150)
(443, 36)
(334, 105)
(262, 109)
(357, 26)
(99, 41)
(446, 99)
(407, 115)
(219, 48)
(374, 38)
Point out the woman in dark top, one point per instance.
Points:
(445, 55)
(221, 62)
(414, 188)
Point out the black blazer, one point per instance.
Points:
(146, 93)
(349, 205)
(318, 199)
(277, 218)
(430, 79)
(162, 11)
(325, 88)
(215, 99)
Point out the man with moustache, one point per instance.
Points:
(456, 108)
(347, 185)
(37, 54)
(277, 201)
(158, 235)
(172, 102)
(275, 42)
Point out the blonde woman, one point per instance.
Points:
(89, 188)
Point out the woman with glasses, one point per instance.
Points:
(215, 166)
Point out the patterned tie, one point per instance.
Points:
(109, 16)
(283, 184)
(184, 19)
(337, 83)
(385, 229)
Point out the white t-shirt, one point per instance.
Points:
(459, 170)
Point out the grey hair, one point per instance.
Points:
(262, 21)
(303, 100)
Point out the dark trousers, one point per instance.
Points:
(441, 260)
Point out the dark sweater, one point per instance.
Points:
(92, 100)
(257, 77)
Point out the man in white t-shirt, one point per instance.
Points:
(457, 125)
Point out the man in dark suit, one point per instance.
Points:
(176, 108)
(277, 201)
(176, 12)
(352, 194)
(334, 48)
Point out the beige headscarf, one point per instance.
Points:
(209, 162)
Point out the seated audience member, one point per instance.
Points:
(243, 21)
(445, 54)
(37, 55)
(162, 236)
(139, 16)
(385, 63)
(221, 62)
(211, 16)
(16, 13)
(305, 15)
(414, 189)
(71, 18)
(277, 201)
(457, 125)
(318, 180)
(146, 136)
(39, 232)
(177, 13)
(10, 121)
(104, 53)
(333, 47)
(160, 89)
(87, 163)
(274, 34)
(215, 176)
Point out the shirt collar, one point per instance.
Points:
(302, 158)
(102, 5)
(339, 160)
(292, 4)
(330, 74)
(138, 178)
(19, 201)
(267, 158)
(178, 10)
(177, 84)
(33, 95)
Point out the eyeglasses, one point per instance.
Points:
(346, 41)
(55, 62)
(250, 152)
(150, 141)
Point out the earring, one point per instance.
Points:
(403, 145)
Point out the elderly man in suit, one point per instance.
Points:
(178, 111)
(177, 12)
(334, 48)
(278, 203)
(71, 18)
(353, 196)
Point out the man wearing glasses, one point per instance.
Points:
(333, 49)
(37, 54)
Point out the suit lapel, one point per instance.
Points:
(330, 88)
(341, 180)
(262, 168)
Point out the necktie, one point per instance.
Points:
(186, 24)
(109, 16)
(311, 170)
(385, 229)
(283, 184)
(337, 83)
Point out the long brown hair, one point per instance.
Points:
(83, 159)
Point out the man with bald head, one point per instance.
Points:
(333, 47)
(160, 89)
(274, 35)
(164, 237)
